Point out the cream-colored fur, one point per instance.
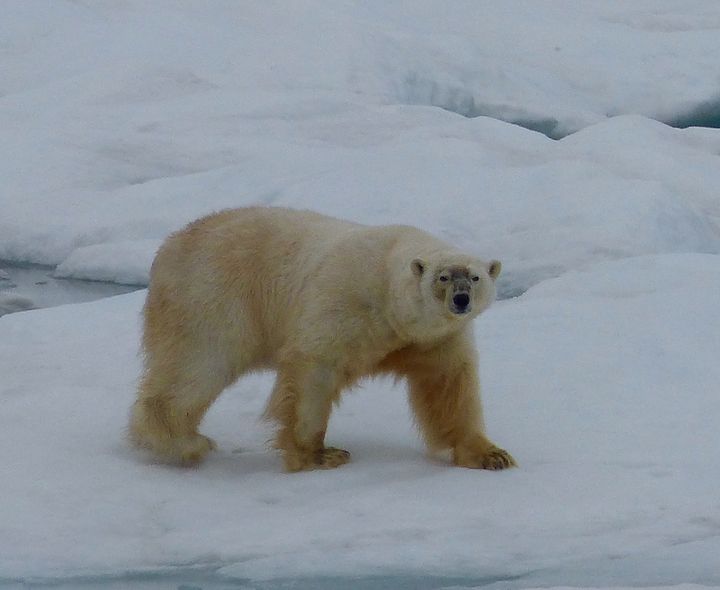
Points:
(323, 302)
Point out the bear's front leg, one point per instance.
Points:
(445, 396)
(301, 404)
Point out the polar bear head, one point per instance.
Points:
(456, 286)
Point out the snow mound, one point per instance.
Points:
(126, 263)
(336, 109)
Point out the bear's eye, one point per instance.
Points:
(475, 279)
(443, 279)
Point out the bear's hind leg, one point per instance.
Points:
(167, 413)
(301, 403)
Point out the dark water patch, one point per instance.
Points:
(33, 286)
(194, 580)
(660, 567)
(585, 577)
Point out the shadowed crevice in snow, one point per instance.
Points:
(457, 99)
(706, 114)
(513, 284)
(462, 101)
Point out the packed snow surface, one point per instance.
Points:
(121, 121)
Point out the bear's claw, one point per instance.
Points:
(322, 458)
(497, 459)
(330, 457)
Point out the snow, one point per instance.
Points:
(126, 262)
(121, 121)
(600, 482)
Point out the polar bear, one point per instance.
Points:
(324, 303)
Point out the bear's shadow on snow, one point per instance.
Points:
(365, 453)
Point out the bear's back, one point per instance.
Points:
(254, 262)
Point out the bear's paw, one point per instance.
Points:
(484, 457)
(330, 457)
(190, 451)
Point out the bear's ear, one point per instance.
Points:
(418, 267)
(494, 269)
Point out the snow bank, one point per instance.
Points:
(122, 122)
(601, 383)
(127, 263)
(542, 207)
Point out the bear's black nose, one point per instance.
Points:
(461, 300)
